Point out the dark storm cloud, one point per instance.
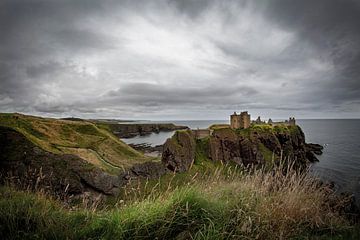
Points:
(146, 94)
(172, 57)
(333, 28)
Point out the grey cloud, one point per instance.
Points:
(172, 57)
(145, 94)
(332, 27)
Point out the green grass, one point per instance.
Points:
(269, 156)
(219, 126)
(85, 139)
(227, 204)
(202, 150)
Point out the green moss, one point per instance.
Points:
(202, 150)
(243, 132)
(268, 155)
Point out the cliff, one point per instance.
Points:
(124, 130)
(179, 151)
(64, 157)
(30, 167)
(257, 145)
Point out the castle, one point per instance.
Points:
(240, 121)
(243, 121)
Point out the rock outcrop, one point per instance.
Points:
(227, 146)
(179, 151)
(252, 146)
(25, 164)
(149, 170)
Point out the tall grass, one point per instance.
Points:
(226, 204)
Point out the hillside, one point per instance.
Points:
(91, 142)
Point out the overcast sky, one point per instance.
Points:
(173, 59)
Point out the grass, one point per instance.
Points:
(82, 138)
(202, 150)
(219, 126)
(227, 204)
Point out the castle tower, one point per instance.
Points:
(292, 121)
(244, 120)
(240, 121)
(235, 121)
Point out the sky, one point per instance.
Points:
(173, 59)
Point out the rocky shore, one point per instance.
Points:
(148, 150)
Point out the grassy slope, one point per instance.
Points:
(84, 139)
(227, 204)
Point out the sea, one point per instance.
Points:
(339, 163)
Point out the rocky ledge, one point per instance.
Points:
(257, 145)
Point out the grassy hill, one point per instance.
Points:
(94, 143)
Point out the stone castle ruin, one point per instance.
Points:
(241, 120)
(290, 122)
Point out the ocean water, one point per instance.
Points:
(340, 161)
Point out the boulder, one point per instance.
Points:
(150, 170)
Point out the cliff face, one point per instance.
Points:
(259, 144)
(226, 145)
(179, 151)
(131, 130)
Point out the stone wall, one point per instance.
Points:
(201, 133)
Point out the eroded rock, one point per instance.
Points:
(179, 151)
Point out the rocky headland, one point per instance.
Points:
(257, 145)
